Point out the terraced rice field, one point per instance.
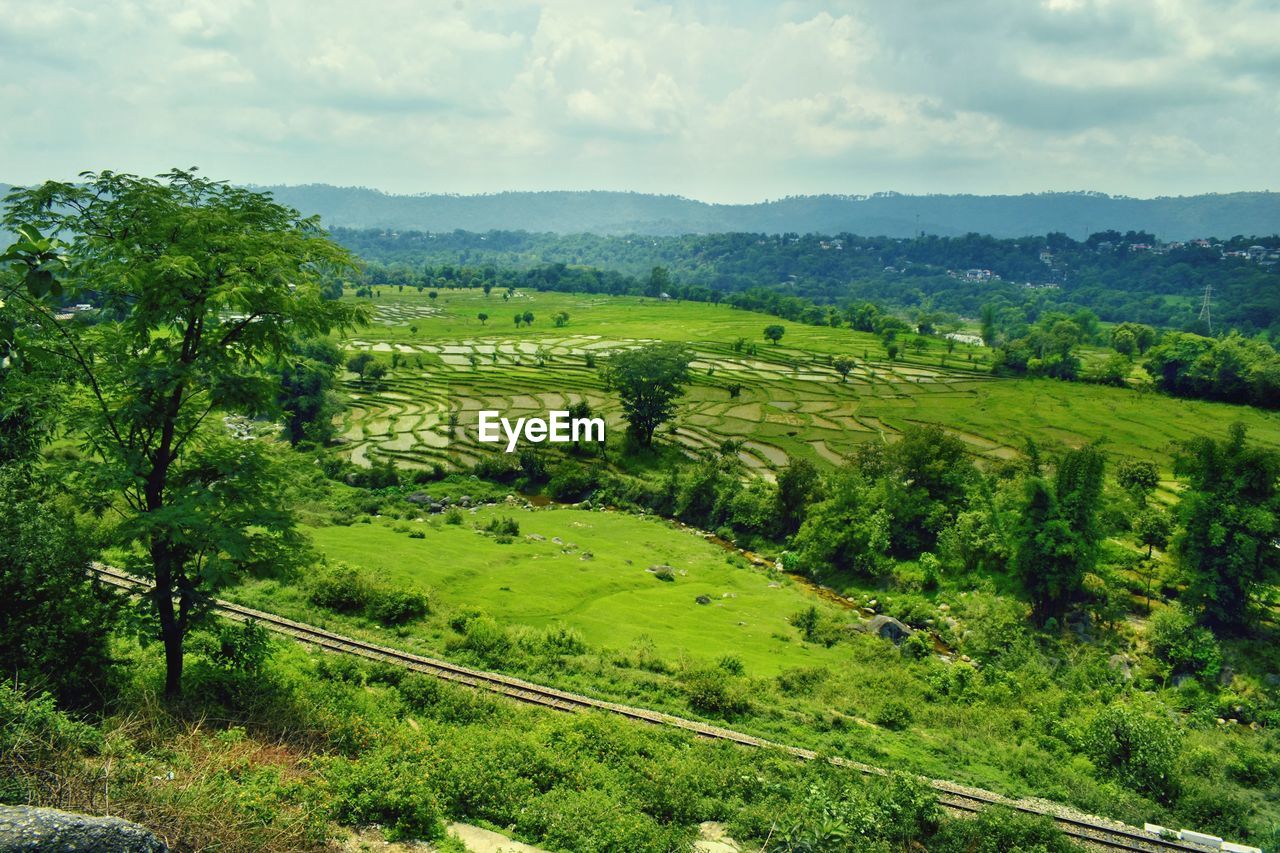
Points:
(447, 366)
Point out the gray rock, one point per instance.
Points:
(888, 628)
(1121, 664)
(419, 498)
(702, 599)
(30, 828)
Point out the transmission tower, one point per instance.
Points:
(1205, 313)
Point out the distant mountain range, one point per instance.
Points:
(884, 214)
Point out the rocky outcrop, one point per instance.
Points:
(31, 828)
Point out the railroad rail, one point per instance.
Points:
(1091, 830)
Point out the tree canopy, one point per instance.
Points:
(200, 285)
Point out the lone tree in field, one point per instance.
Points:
(774, 333)
(482, 317)
(648, 380)
(843, 365)
(527, 317)
(203, 286)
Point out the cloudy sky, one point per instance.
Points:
(723, 101)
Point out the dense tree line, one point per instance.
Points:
(1121, 277)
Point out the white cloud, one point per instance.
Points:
(729, 101)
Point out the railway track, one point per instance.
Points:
(958, 798)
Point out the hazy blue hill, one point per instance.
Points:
(888, 214)
(1076, 214)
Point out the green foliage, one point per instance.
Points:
(386, 786)
(55, 625)
(1138, 477)
(206, 283)
(648, 380)
(894, 714)
(1184, 646)
(1234, 369)
(38, 744)
(774, 333)
(997, 829)
(1136, 748)
(798, 486)
(347, 589)
(306, 396)
(1058, 532)
(1230, 516)
(715, 691)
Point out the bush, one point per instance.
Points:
(894, 714)
(346, 589)
(714, 691)
(340, 588)
(54, 624)
(38, 745)
(1135, 748)
(572, 484)
(1183, 645)
(563, 640)
(392, 607)
(504, 529)
(486, 639)
(386, 786)
(801, 681)
(592, 820)
(997, 829)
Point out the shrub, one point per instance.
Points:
(917, 646)
(387, 786)
(997, 829)
(346, 589)
(453, 516)
(392, 607)
(894, 714)
(1135, 748)
(592, 820)
(1183, 645)
(504, 529)
(572, 484)
(486, 639)
(563, 640)
(340, 587)
(801, 680)
(714, 691)
(38, 746)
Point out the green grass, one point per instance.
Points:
(611, 598)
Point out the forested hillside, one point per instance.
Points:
(891, 214)
(1121, 277)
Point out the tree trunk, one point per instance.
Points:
(170, 627)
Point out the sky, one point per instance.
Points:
(720, 101)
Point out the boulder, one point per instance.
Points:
(888, 628)
(31, 828)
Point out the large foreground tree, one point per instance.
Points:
(201, 287)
